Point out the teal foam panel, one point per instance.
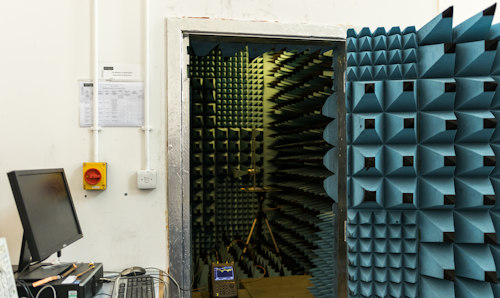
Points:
(364, 32)
(365, 73)
(379, 31)
(410, 71)
(352, 59)
(379, 72)
(495, 219)
(496, 170)
(474, 93)
(352, 216)
(379, 42)
(400, 96)
(476, 27)
(330, 160)
(331, 132)
(474, 261)
(436, 288)
(409, 30)
(367, 192)
(366, 128)
(436, 226)
(409, 56)
(364, 43)
(437, 193)
(330, 106)
(474, 160)
(410, 41)
(400, 193)
(351, 33)
(495, 102)
(364, 58)
(436, 94)
(495, 68)
(395, 289)
(475, 127)
(394, 56)
(475, 58)
(394, 42)
(436, 61)
(494, 32)
(400, 161)
(379, 57)
(437, 127)
(473, 289)
(396, 30)
(367, 160)
(436, 260)
(438, 30)
(474, 227)
(400, 128)
(395, 71)
(474, 193)
(351, 44)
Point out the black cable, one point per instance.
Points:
(26, 288)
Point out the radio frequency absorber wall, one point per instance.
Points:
(422, 110)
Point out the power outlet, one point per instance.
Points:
(146, 179)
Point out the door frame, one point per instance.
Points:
(178, 31)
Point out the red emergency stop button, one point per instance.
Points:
(92, 176)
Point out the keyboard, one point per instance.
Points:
(134, 287)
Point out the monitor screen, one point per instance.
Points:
(223, 273)
(46, 210)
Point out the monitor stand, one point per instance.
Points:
(38, 271)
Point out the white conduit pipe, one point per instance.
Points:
(146, 127)
(95, 86)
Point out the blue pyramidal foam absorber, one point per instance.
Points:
(437, 127)
(475, 58)
(436, 288)
(476, 27)
(434, 121)
(474, 160)
(474, 193)
(367, 192)
(400, 160)
(436, 94)
(437, 61)
(475, 126)
(438, 30)
(400, 96)
(400, 128)
(437, 226)
(437, 160)
(475, 262)
(475, 93)
(367, 160)
(474, 227)
(436, 260)
(400, 193)
(472, 288)
(366, 128)
(437, 192)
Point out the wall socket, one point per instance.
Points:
(146, 179)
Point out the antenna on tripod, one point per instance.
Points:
(252, 171)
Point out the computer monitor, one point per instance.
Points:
(47, 213)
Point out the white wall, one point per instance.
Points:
(45, 48)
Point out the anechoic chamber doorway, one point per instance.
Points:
(179, 119)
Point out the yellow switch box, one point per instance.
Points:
(94, 175)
